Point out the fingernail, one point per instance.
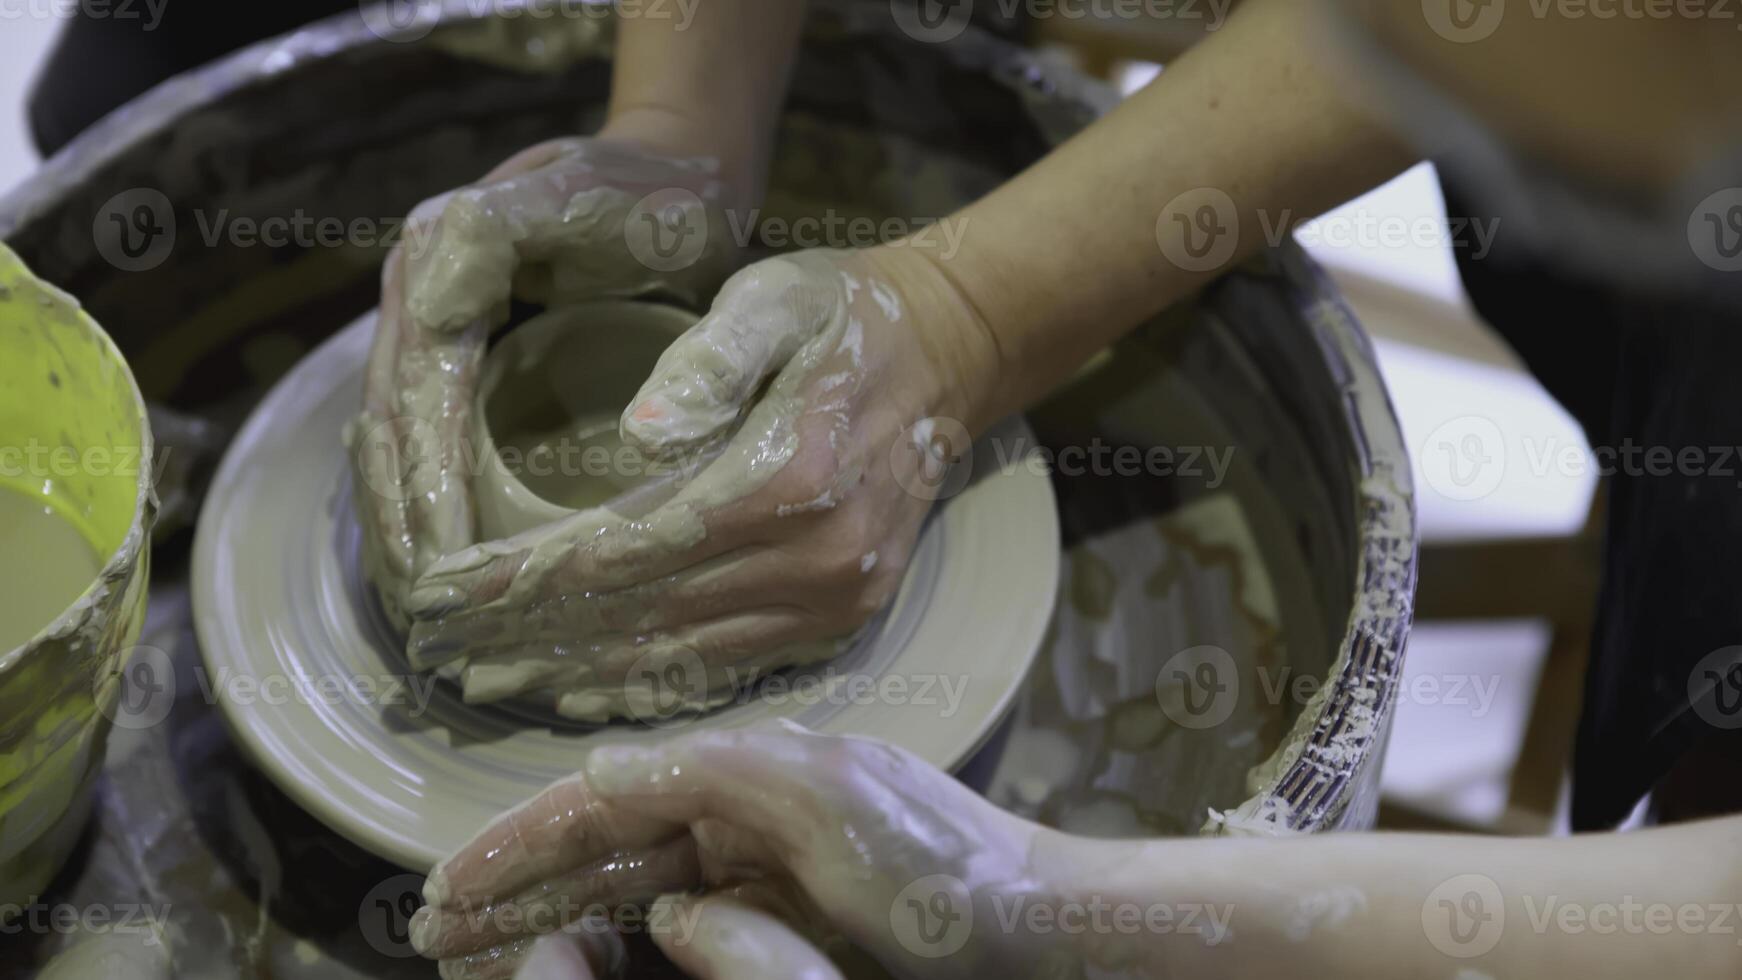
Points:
(623, 768)
(425, 929)
(435, 888)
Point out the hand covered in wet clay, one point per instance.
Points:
(796, 415)
(779, 844)
(553, 225)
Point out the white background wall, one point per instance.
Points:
(23, 44)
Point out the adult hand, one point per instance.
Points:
(809, 389)
(550, 226)
(783, 841)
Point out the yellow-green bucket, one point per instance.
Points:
(76, 506)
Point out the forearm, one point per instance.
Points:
(707, 79)
(1065, 258)
(1653, 903)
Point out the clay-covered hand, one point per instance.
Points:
(548, 226)
(797, 414)
(779, 843)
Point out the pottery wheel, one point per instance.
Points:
(316, 687)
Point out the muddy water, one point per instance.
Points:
(47, 564)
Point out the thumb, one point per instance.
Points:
(564, 956)
(708, 377)
(722, 939)
(554, 957)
